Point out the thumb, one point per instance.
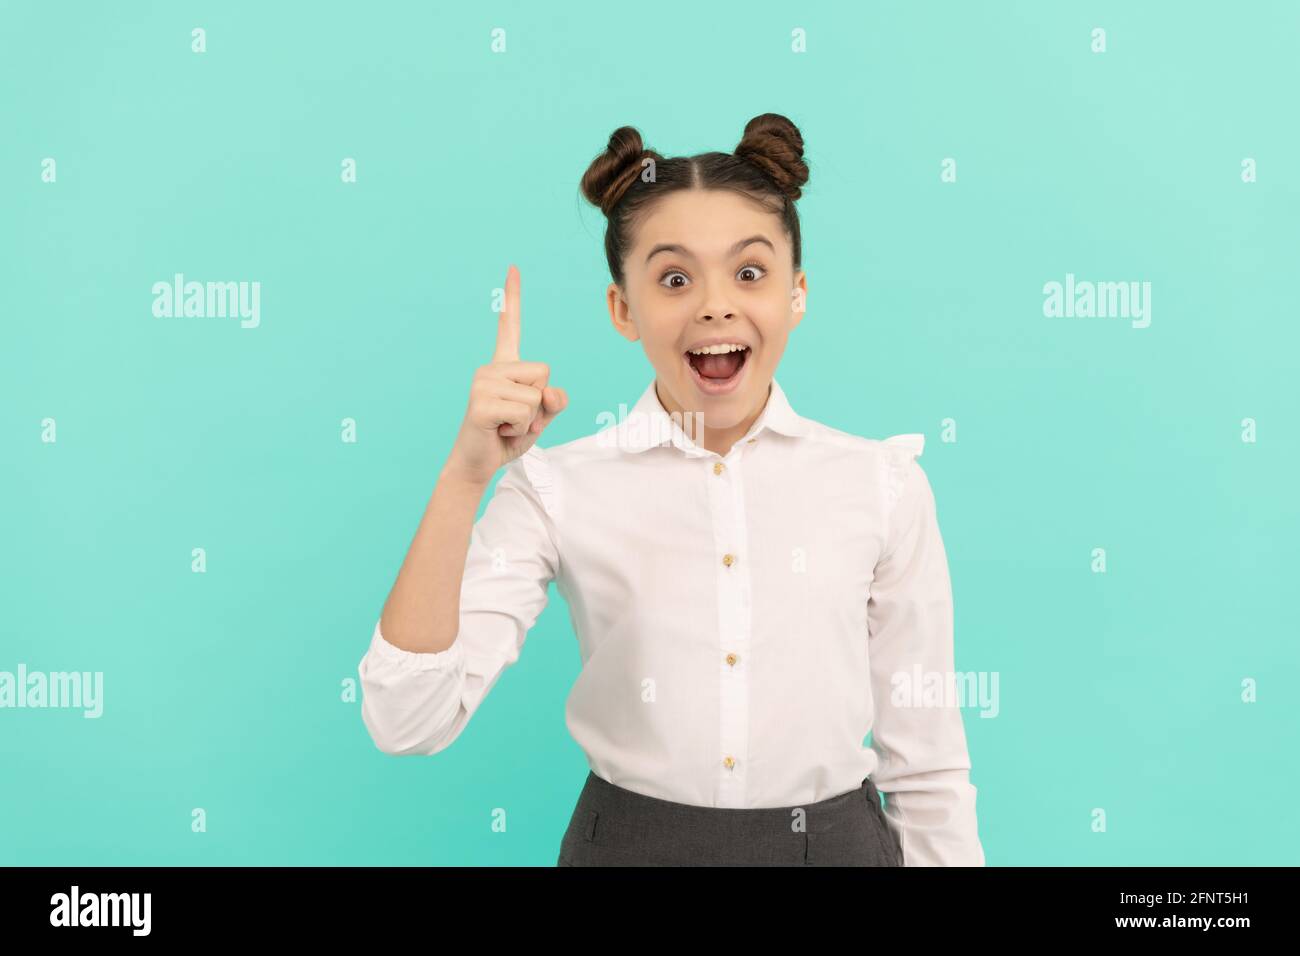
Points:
(554, 401)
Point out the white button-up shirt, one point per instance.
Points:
(744, 621)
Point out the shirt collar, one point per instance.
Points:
(648, 424)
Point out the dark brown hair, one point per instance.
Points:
(767, 167)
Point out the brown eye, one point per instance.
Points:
(672, 272)
(751, 267)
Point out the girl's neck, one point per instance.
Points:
(716, 440)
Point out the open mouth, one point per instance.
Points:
(720, 372)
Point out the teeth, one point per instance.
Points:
(718, 349)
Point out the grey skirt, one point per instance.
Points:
(612, 826)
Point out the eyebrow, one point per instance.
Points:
(682, 250)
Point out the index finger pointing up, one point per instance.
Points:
(508, 322)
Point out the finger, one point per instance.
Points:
(513, 392)
(508, 325)
(554, 401)
(536, 374)
(518, 394)
(506, 417)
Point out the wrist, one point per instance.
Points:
(454, 475)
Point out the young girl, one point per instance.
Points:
(753, 592)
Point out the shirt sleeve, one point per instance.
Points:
(924, 768)
(419, 703)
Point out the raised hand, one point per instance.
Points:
(510, 401)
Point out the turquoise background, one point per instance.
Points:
(222, 690)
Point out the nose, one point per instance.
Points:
(715, 293)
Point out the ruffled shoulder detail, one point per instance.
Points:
(912, 444)
(902, 448)
(538, 469)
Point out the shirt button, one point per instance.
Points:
(729, 762)
(728, 559)
(717, 467)
(731, 659)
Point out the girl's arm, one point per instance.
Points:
(924, 768)
(510, 403)
(418, 702)
(459, 610)
(422, 612)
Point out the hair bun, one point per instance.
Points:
(773, 144)
(611, 173)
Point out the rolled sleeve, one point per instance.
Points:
(419, 703)
(924, 767)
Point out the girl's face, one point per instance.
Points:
(710, 267)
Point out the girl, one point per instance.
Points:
(752, 591)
